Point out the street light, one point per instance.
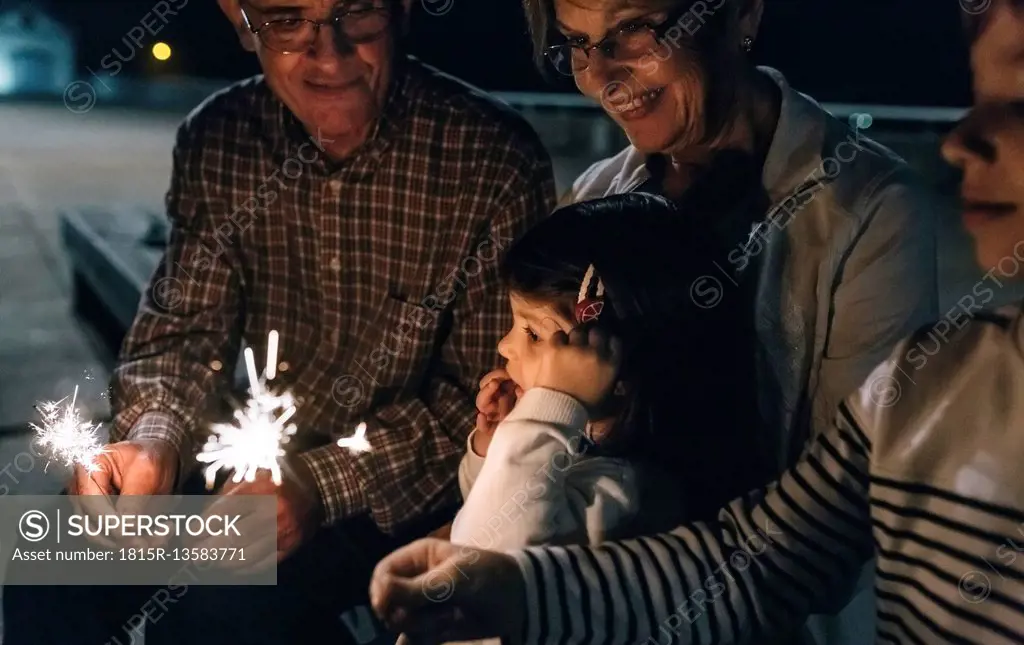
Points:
(161, 51)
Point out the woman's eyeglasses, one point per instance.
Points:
(359, 22)
(628, 43)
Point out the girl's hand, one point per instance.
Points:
(583, 364)
(498, 395)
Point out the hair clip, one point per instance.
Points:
(587, 308)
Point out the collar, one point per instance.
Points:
(366, 158)
(796, 146)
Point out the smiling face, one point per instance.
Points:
(988, 145)
(335, 88)
(660, 99)
(531, 322)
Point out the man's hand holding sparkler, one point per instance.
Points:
(138, 467)
(253, 449)
(299, 514)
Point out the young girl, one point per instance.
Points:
(624, 265)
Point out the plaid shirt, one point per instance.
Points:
(380, 274)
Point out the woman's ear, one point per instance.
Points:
(406, 18)
(750, 19)
(233, 11)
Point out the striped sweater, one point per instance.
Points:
(923, 468)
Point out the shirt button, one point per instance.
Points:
(335, 185)
(335, 264)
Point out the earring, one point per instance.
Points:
(748, 44)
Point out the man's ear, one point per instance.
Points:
(233, 11)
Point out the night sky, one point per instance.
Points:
(906, 52)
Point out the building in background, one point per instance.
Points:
(37, 55)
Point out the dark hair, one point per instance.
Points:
(540, 20)
(688, 366)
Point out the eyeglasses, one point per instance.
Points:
(628, 43)
(359, 22)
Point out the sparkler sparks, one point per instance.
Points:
(357, 442)
(255, 441)
(66, 437)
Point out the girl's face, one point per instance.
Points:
(658, 98)
(531, 322)
(988, 145)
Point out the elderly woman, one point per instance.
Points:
(845, 253)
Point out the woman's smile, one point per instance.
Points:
(640, 106)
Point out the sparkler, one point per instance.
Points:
(255, 441)
(67, 438)
(357, 442)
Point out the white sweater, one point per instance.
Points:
(538, 485)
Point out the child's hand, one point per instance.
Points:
(583, 364)
(497, 397)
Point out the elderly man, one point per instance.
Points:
(357, 202)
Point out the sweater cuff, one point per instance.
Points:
(470, 467)
(550, 406)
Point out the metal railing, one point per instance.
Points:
(176, 92)
(569, 124)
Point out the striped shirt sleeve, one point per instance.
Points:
(756, 571)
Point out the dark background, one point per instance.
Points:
(905, 52)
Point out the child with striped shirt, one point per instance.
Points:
(921, 468)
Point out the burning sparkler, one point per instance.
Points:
(69, 439)
(357, 442)
(66, 437)
(255, 441)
